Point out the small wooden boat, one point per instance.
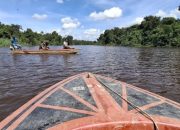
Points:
(60, 51)
(93, 102)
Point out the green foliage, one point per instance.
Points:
(27, 37)
(4, 42)
(69, 39)
(83, 42)
(153, 31)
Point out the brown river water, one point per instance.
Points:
(24, 76)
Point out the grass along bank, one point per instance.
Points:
(5, 42)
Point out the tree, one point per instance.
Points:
(150, 23)
(30, 37)
(56, 38)
(168, 21)
(69, 39)
(153, 31)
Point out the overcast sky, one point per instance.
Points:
(83, 19)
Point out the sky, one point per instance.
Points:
(83, 19)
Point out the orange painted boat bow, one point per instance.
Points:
(93, 102)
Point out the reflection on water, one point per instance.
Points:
(24, 76)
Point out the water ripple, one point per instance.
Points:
(24, 76)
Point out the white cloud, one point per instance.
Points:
(91, 31)
(60, 1)
(69, 23)
(138, 20)
(92, 34)
(111, 13)
(173, 13)
(161, 13)
(39, 16)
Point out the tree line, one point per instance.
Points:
(29, 37)
(153, 31)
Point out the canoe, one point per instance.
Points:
(60, 51)
(92, 102)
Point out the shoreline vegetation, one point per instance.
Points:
(151, 32)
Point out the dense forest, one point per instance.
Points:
(29, 37)
(153, 31)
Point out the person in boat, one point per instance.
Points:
(14, 44)
(44, 45)
(66, 45)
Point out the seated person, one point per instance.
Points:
(44, 45)
(14, 44)
(65, 45)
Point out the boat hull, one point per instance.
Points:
(61, 51)
(93, 102)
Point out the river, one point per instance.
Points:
(24, 76)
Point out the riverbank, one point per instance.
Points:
(152, 31)
(6, 43)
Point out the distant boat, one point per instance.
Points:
(92, 102)
(60, 51)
